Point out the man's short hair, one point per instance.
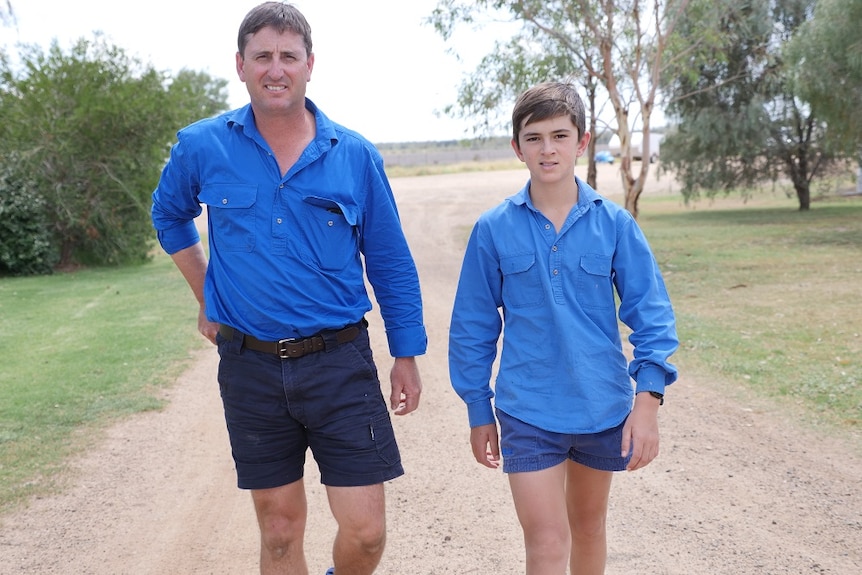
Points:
(278, 15)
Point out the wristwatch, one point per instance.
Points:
(658, 396)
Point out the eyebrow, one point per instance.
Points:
(559, 131)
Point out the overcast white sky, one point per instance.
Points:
(378, 68)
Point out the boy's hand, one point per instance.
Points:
(486, 445)
(640, 432)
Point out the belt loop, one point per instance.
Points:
(330, 340)
(233, 337)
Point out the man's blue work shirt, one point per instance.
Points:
(285, 252)
(562, 366)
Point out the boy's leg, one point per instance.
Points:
(361, 516)
(281, 515)
(587, 493)
(540, 502)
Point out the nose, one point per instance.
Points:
(547, 146)
(276, 70)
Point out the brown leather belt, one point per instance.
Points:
(294, 348)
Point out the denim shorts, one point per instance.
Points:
(329, 401)
(524, 447)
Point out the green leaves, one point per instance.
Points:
(90, 128)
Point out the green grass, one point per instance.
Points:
(80, 350)
(769, 296)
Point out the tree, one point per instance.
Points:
(7, 14)
(740, 122)
(825, 62)
(617, 45)
(90, 129)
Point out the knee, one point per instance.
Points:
(589, 529)
(278, 536)
(371, 538)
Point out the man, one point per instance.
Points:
(295, 203)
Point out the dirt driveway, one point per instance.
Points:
(738, 488)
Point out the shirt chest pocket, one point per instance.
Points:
(330, 232)
(231, 214)
(522, 282)
(595, 288)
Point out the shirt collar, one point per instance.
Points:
(587, 196)
(244, 117)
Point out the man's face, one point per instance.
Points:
(276, 70)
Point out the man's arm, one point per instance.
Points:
(192, 263)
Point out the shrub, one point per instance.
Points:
(26, 246)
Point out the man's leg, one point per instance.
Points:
(540, 502)
(361, 516)
(587, 494)
(281, 515)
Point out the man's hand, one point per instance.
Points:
(207, 328)
(406, 385)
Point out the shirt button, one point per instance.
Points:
(553, 249)
(547, 226)
(278, 220)
(224, 201)
(330, 223)
(556, 272)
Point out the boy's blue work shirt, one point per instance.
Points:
(562, 367)
(284, 251)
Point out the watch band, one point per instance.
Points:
(658, 396)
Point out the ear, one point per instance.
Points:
(310, 64)
(239, 70)
(582, 144)
(517, 149)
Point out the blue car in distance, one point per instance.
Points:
(604, 157)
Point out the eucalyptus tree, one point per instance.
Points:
(615, 47)
(740, 120)
(825, 57)
(7, 14)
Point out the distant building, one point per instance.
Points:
(637, 146)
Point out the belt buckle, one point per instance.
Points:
(283, 349)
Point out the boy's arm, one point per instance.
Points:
(645, 307)
(475, 328)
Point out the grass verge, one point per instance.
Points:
(80, 350)
(768, 296)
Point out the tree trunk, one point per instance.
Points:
(592, 173)
(803, 193)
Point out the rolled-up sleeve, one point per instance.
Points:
(175, 206)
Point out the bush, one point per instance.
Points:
(26, 247)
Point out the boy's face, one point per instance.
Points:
(550, 148)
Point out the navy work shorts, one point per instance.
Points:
(524, 447)
(329, 401)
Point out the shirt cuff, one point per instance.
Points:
(179, 237)
(407, 341)
(650, 378)
(480, 413)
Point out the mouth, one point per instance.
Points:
(274, 88)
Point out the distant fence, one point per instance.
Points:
(444, 156)
(449, 155)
